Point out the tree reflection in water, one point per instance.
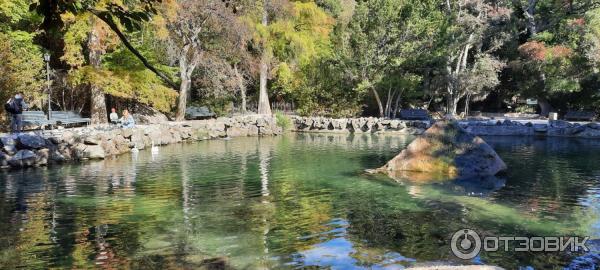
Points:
(292, 201)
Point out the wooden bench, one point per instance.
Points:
(414, 114)
(36, 118)
(68, 118)
(198, 113)
(580, 115)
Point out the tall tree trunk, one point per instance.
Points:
(378, 100)
(188, 60)
(388, 102)
(264, 107)
(530, 15)
(183, 96)
(99, 114)
(242, 86)
(452, 100)
(184, 87)
(467, 101)
(397, 105)
(185, 73)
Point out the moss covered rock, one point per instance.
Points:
(445, 151)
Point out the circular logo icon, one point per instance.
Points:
(465, 244)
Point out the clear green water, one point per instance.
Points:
(289, 202)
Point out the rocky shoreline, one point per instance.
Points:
(557, 128)
(480, 128)
(358, 125)
(40, 148)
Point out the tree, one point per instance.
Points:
(374, 41)
(551, 27)
(197, 26)
(383, 36)
(114, 13)
(99, 65)
(475, 34)
(86, 41)
(22, 65)
(264, 106)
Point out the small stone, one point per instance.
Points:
(236, 132)
(594, 125)
(91, 141)
(260, 122)
(23, 158)
(68, 137)
(575, 130)
(9, 145)
(253, 130)
(559, 124)
(94, 152)
(42, 157)
(56, 155)
(540, 128)
(264, 131)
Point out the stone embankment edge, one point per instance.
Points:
(480, 128)
(40, 148)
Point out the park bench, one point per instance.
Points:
(580, 115)
(68, 118)
(414, 114)
(198, 113)
(36, 118)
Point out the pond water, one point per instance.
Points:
(289, 202)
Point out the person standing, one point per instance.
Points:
(15, 106)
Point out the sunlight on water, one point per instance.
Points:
(289, 202)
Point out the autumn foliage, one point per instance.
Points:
(538, 51)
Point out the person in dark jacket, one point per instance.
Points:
(15, 106)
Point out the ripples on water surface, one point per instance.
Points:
(289, 202)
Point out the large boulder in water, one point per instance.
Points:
(445, 151)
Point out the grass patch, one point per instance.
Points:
(283, 121)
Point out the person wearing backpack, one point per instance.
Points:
(15, 106)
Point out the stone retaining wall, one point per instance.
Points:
(358, 125)
(42, 148)
(557, 128)
(480, 128)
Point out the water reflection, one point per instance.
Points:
(294, 201)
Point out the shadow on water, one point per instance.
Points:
(294, 201)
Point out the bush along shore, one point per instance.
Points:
(480, 128)
(37, 148)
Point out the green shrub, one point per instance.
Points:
(283, 121)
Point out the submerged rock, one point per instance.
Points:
(445, 151)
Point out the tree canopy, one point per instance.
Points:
(326, 57)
